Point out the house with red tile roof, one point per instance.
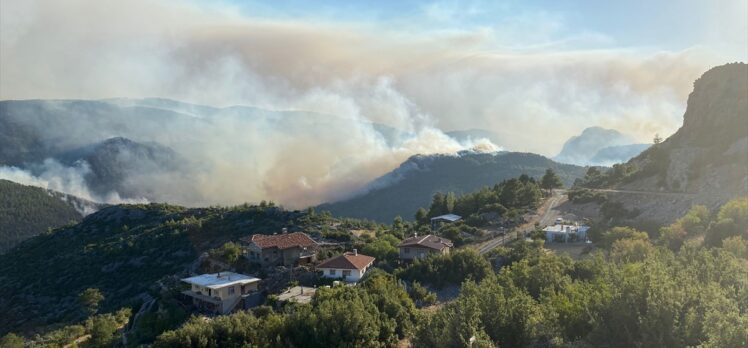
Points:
(285, 249)
(350, 266)
(418, 247)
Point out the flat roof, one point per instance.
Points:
(562, 228)
(221, 279)
(448, 217)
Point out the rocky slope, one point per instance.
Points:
(704, 162)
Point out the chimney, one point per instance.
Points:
(355, 252)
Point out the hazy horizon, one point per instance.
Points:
(519, 69)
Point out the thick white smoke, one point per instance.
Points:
(67, 179)
(344, 76)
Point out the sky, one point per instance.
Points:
(468, 64)
(533, 72)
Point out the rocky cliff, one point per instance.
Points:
(705, 161)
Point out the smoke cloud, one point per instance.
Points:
(344, 78)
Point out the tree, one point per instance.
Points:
(90, 299)
(618, 233)
(231, 252)
(449, 202)
(11, 340)
(657, 139)
(631, 250)
(422, 217)
(550, 181)
(438, 205)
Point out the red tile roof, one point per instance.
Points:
(348, 261)
(283, 241)
(427, 241)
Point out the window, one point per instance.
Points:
(232, 290)
(407, 250)
(346, 273)
(331, 272)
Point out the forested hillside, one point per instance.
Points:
(124, 251)
(412, 185)
(26, 211)
(636, 291)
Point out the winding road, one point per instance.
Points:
(546, 215)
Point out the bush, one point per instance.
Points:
(11, 340)
(583, 195)
(453, 268)
(618, 233)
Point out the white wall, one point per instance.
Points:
(353, 277)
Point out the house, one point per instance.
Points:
(350, 266)
(418, 247)
(565, 233)
(437, 221)
(286, 249)
(220, 292)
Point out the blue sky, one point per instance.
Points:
(673, 25)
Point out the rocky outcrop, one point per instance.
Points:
(707, 158)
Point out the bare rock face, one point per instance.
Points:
(706, 160)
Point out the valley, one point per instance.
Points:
(430, 174)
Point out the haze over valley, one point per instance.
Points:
(305, 136)
(421, 174)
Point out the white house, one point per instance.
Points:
(565, 233)
(220, 292)
(349, 267)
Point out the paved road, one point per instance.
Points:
(547, 214)
(651, 193)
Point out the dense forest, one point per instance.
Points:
(26, 211)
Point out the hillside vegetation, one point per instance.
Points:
(412, 185)
(26, 211)
(121, 250)
(635, 292)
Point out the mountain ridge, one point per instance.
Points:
(597, 146)
(410, 186)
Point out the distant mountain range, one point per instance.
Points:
(26, 211)
(600, 147)
(410, 186)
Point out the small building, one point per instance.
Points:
(350, 267)
(565, 233)
(220, 292)
(437, 221)
(420, 247)
(286, 249)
